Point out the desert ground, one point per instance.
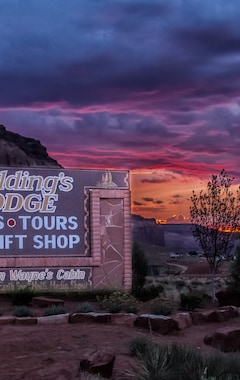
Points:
(53, 352)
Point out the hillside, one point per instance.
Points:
(16, 150)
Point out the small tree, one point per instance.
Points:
(215, 216)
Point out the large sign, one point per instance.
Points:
(45, 212)
(46, 278)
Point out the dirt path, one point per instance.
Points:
(47, 352)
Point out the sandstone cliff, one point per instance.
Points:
(16, 150)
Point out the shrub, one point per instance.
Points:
(84, 307)
(22, 296)
(119, 301)
(22, 311)
(190, 301)
(149, 292)
(160, 308)
(224, 366)
(54, 310)
(180, 284)
(138, 345)
(177, 362)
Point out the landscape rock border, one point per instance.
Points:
(158, 323)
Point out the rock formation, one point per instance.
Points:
(16, 150)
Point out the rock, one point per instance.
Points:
(16, 150)
(26, 321)
(226, 339)
(212, 316)
(45, 302)
(198, 318)
(123, 319)
(183, 320)
(230, 311)
(159, 323)
(90, 317)
(98, 362)
(7, 320)
(53, 319)
(226, 298)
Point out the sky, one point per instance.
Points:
(151, 86)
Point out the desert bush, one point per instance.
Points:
(180, 283)
(150, 292)
(84, 307)
(119, 301)
(22, 311)
(54, 310)
(177, 362)
(22, 296)
(160, 308)
(223, 366)
(191, 301)
(138, 345)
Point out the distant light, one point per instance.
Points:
(161, 221)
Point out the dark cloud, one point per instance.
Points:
(154, 180)
(136, 203)
(158, 202)
(147, 199)
(135, 84)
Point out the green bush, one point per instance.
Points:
(159, 308)
(190, 301)
(149, 292)
(22, 296)
(22, 311)
(84, 307)
(118, 301)
(54, 310)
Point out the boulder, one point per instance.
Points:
(226, 339)
(159, 323)
(123, 319)
(228, 297)
(214, 316)
(98, 362)
(6, 320)
(183, 320)
(91, 317)
(26, 321)
(54, 319)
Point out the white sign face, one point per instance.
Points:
(45, 212)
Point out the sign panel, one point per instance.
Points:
(46, 278)
(45, 212)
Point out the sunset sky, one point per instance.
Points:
(152, 86)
